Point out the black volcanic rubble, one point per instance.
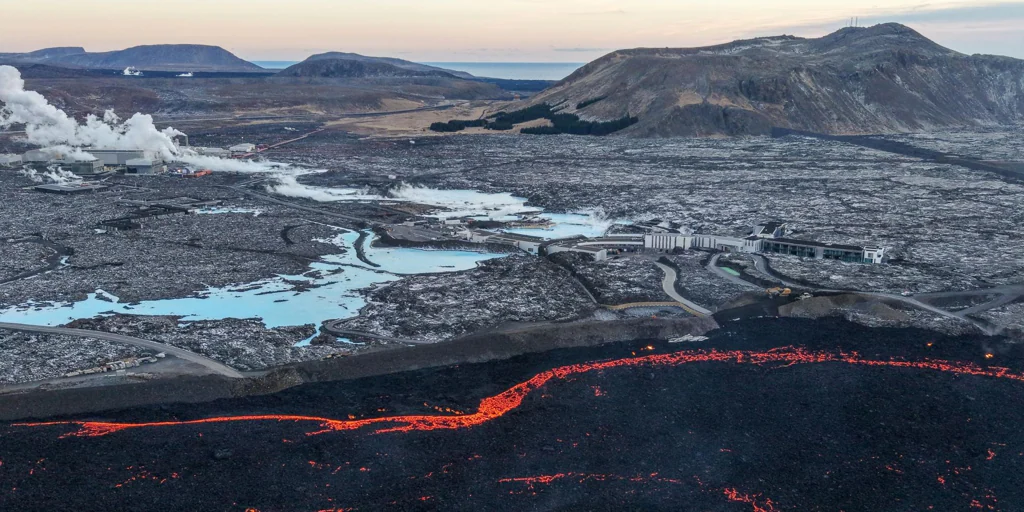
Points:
(722, 435)
(21, 257)
(896, 277)
(27, 357)
(934, 216)
(700, 285)
(243, 344)
(171, 256)
(615, 281)
(435, 307)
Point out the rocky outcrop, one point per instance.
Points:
(839, 305)
(886, 78)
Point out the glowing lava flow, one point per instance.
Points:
(497, 406)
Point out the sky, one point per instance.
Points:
(485, 30)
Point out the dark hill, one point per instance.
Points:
(328, 67)
(886, 78)
(31, 71)
(160, 57)
(400, 63)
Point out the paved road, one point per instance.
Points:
(1004, 295)
(999, 301)
(215, 366)
(282, 143)
(171, 119)
(762, 266)
(669, 285)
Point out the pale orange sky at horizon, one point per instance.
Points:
(474, 31)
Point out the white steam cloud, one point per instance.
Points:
(53, 173)
(48, 126)
(463, 203)
(287, 185)
(230, 165)
(61, 134)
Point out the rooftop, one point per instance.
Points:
(142, 162)
(70, 188)
(810, 243)
(519, 238)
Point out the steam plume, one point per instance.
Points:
(51, 128)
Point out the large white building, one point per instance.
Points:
(242, 149)
(530, 244)
(146, 166)
(765, 238)
(117, 157)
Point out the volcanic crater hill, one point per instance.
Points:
(158, 57)
(399, 63)
(883, 79)
(348, 68)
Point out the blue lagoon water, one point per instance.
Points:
(334, 294)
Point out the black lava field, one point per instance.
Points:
(768, 415)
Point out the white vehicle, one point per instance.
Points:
(186, 75)
(131, 71)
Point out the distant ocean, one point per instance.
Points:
(507, 70)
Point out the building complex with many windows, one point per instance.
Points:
(768, 238)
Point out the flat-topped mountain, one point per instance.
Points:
(159, 57)
(886, 78)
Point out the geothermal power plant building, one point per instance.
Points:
(117, 157)
(145, 166)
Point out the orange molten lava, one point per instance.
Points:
(497, 406)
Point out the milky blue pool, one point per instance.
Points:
(337, 279)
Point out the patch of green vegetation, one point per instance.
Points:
(525, 115)
(584, 104)
(571, 124)
(457, 125)
(560, 123)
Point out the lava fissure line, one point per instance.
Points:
(498, 405)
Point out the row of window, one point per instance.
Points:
(811, 252)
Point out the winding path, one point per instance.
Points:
(669, 285)
(761, 264)
(186, 355)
